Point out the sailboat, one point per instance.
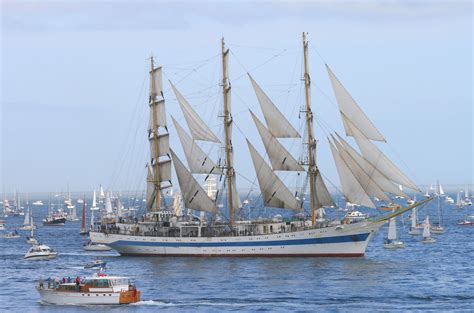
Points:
(459, 202)
(94, 203)
(426, 232)
(27, 225)
(364, 175)
(414, 226)
(31, 238)
(83, 230)
(467, 199)
(391, 242)
(438, 227)
(71, 208)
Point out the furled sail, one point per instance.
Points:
(380, 179)
(366, 182)
(322, 193)
(160, 113)
(351, 187)
(351, 110)
(277, 124)
(194, 196)
(373, 154)
(198, 161)
(199, 129)
(280, 158)
(275, 194)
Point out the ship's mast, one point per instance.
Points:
(228, 141)
(312, 169)
(154, 130)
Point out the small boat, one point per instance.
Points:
(354, 216)
(426, 232)
(465, 222)
(40, 252)
(414, 226)
(449, 200)
(2, 225)
(28, 222)
(31, 238)
(11, 235)
(38, 202)
(437, 229)
(54, 220)
(459, 202)
(99, 289)
(391, 242)
(96, 264)
(92, 246)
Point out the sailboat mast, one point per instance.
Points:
(228, 141)
(154, 129)
(312, 169)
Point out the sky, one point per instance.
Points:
(74, 91)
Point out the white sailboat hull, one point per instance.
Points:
(342, 241)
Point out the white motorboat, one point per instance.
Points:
(437, 229)
(38, 202)
(449, 200)
(98, 263)
(40, 252)
(391, 242)
(2, 225)
(92, 246)
(97, 290)
(355, 216)
(426, 232)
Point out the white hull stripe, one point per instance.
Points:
(289, 242)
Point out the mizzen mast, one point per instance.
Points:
(312, 169)
(227, 130)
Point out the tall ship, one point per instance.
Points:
(222, 230)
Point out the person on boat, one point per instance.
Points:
(56, 282)
(78, 281)
(41, 282)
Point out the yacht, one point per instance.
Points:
(426, 232)
(11, 235)
(40, 252)
(354, 216)
(96, 264)
(38, 202)
(391, 242)
(2, 225)
(99, 289)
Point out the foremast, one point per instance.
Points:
(227, 131)
(312, 167)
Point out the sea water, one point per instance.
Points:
(436, 276)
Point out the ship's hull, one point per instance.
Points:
(55, 222)
(342, 241)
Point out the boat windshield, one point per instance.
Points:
(97, 282)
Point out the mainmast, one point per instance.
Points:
(154, 129)
(312, 169)
(228, 140)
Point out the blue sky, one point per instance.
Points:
(74, 100)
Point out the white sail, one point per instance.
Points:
(194, 196)
(275, 194)
(156, 82)
(235, 195)
(198, 161)
(163, 145)
(108, 203)
(165, 170)
(323, 196)
(26, 221)
(351, 187)
(94, 202)
(379, 160)
(178, 204)
(426, 228)
(380, 179)
(440, 189)
(280, 158)
(351, 110)
(413, 218)
(278, 125)
(392, 229)
(365, 181)
(101, 192)
(160, 113)
(466, 192)
(199, 129)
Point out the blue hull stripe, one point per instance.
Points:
(289, 242)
